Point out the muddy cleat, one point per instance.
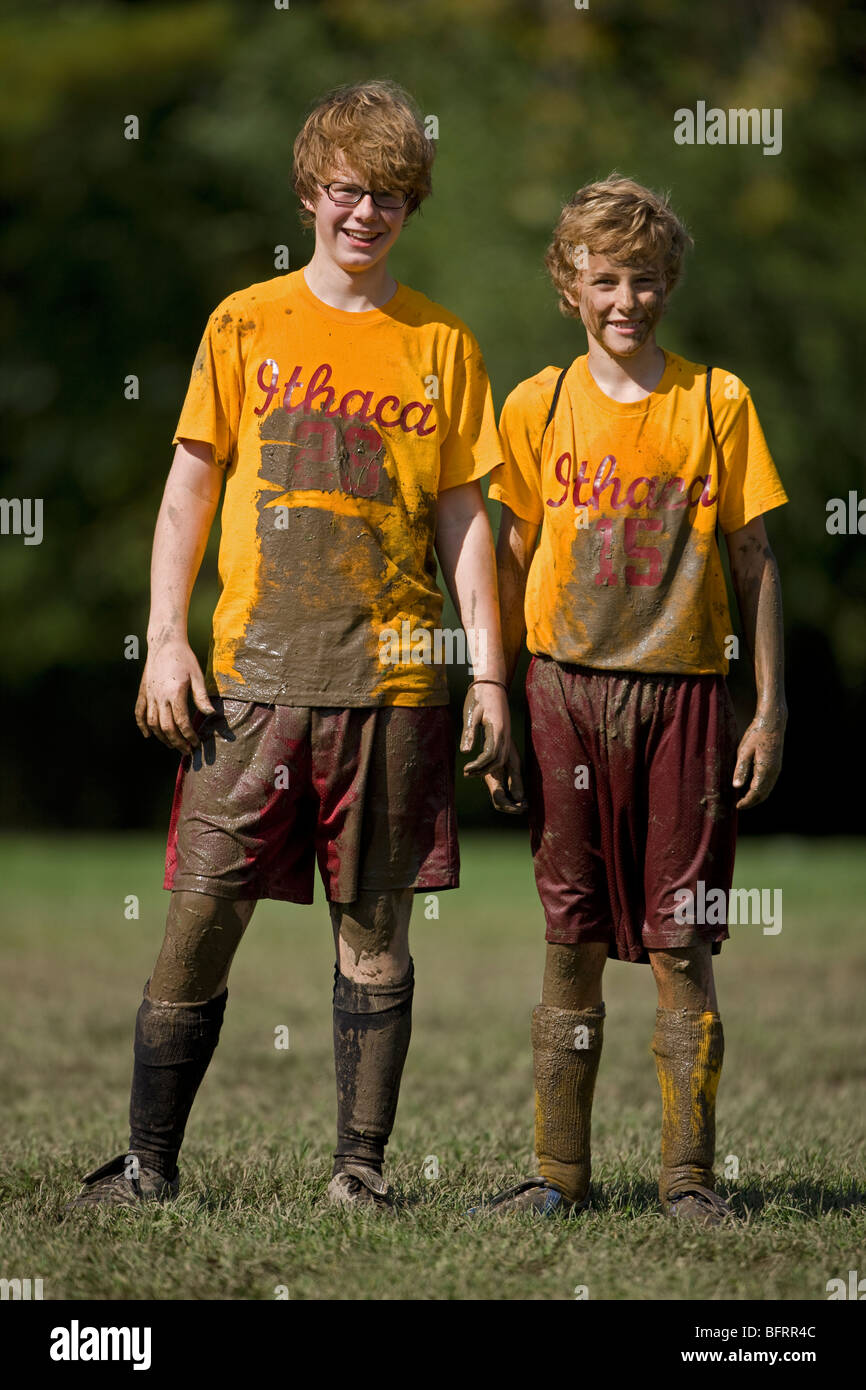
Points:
(360, 1187)
(534, 1195)
(700, 1205)
(123, 1182)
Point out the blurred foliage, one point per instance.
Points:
(116, 250)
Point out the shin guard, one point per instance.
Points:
(372, 1027)
(173, 1047)
(689, 1047)
(566, 1048)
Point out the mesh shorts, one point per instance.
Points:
(652, 813)
(369, 793)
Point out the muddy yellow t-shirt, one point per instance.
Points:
(337, 432)
(627, 575)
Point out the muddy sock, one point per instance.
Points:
(688, 1048)
(372, 1025)
(173, 1046)
(566, 1047)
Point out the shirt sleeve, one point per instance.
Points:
(517, 483)
(212, 408)
(750, 484)
(471, 447)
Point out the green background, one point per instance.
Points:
(115, 251)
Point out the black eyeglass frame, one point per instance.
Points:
(362, 193)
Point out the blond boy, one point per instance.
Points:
(629, 464)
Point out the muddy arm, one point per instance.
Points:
(172, 672)
(514, 552)
(757, 585)
(464, 544)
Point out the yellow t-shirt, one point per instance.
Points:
(337, 432)
(627, 575)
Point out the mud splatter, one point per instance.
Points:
(201, 936)
(627, 626)
(566, 1049)
(689, 1048)
(173, 1047)
(368, 926)
(372, 1028)
(572, 975)
(350, 555)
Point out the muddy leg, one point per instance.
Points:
(179, 1021)
(567, 1035)
(572, 975)
(373, 987)
(684, 977)
(689, 1047)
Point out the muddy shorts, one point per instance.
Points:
(273, 788)
(652, 812)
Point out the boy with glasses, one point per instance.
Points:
(350, 419)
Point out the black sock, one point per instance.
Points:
(173, 1047)
(372, 1026)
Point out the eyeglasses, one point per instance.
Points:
(349, 195)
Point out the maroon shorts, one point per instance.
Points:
(272, 788)
(653, 813)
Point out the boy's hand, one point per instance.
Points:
(487, 706)
(759, 759)
(505, 784)
(171, 672)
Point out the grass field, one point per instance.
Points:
(251, 1215)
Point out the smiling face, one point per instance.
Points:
(354, 238)
(620, 305)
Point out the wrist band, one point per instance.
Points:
(485, 681)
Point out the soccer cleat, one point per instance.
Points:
(534, 1195)
(123, 1182)
(360, 1187)
(700, 1205)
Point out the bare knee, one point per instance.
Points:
(684, 977)
(371, 936)
(202, 933)
(572, 975)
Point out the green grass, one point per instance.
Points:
(255, 1165)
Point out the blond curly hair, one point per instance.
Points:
(619, 218)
